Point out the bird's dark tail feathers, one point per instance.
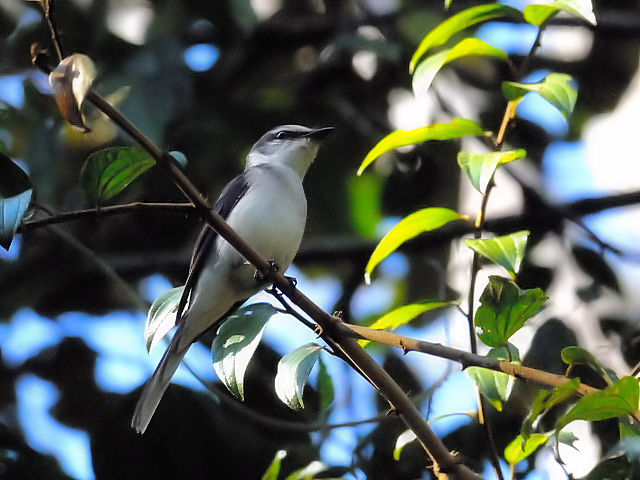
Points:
(158, 383)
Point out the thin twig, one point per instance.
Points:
(107, 211)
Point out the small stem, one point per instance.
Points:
(135, 207)
(53, 28)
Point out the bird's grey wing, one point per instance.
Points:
(228, 199)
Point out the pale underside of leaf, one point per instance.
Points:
(507, 251)
(71, 80)
(539, 14)
(481, 167)
(555, 88)
(236, 342)
(292, 374)
(161, 317)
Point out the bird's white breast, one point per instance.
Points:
(271, 216)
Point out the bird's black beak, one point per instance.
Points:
(319, 134)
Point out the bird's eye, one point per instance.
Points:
(283, 135)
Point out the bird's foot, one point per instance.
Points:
(273, 268)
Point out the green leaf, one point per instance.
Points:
(403, 315)
(619, 399)
(507, 251)
(465, 19)
(236, 343)
(293, 371)
(309, 472)
(579, 356)
(538, 14)
(545, 399)
(519, 448)
(555, 89)
(480, 167)
(424, 220)
(109, 171)
(402, 441)
(504, 310)
(15, 196)
(495, 386)
(161, 317)
(273, 470)
(325, 385)
(469, 47)
(459, 127)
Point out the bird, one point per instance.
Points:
(266, 205)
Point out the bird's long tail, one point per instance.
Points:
(158, 383)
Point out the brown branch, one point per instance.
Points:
(467, 359)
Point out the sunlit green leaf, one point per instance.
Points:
(15, 196)
(109, 171)
(325, 385)
(495, 386)
(429, 67)
(519, 448)
(504, 310)
(539, 13)
(465, 19)
(459, 127)
(403, 315)
(402, 441)
(161, 317)
(576, 355)
(293, 371)
(507, 251)
(480, 167)
(236, 343)
(619, 399)
(70, 81)
(555, 88)
(311, 471)
(424, 220)
(273, 471)
(545, 399)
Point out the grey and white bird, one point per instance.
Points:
(266, 205)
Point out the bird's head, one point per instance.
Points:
(292, 145)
